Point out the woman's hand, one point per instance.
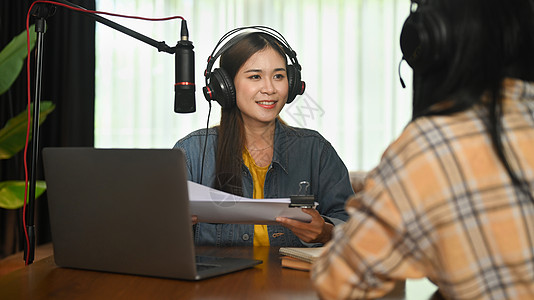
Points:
(317, 231)
(194, 219)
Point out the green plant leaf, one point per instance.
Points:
(13, 135)
(12, 193)
(12, 58)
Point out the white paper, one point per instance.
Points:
(213, 206)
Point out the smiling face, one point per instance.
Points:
(261, 87)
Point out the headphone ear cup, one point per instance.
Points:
(424, 39)
(222, 88)
(411, 41)
(296, 86)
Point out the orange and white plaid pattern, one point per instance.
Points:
(441, 205)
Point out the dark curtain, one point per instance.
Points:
(68, 81)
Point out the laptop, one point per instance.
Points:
(126, 211)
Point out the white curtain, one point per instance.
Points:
(349, 51)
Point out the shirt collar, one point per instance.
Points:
(518, 89)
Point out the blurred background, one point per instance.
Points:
(349, 52)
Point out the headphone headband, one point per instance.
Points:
(236, 36)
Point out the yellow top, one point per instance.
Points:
(261, 236)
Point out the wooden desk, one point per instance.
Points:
(44, 280)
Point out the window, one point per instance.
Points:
(349, 51)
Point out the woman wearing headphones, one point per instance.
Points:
(253, 153)
(452, 198)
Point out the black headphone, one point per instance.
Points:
(220, 86)
(425, 37)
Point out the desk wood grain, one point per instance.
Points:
(44, 280)
(16, 261)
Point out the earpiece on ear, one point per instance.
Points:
(221, 89)
(296, 86)
(424, 38)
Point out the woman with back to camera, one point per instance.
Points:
(452, 197)
(253, 153)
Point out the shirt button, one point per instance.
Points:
(245, 237)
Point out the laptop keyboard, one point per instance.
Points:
(204, 267)
(206, 262)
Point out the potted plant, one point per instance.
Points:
(13, 134)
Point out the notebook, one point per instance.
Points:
(305, 254)
(126, 211)
(299, 258)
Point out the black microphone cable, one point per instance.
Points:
(205, 143)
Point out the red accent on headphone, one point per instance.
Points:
(210, 93)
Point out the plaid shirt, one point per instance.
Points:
(440, 204)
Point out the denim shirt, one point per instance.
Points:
(299, 155)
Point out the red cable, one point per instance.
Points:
(29, 96)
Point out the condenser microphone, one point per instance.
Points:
(184, 88)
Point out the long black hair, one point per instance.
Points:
(489, 40)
